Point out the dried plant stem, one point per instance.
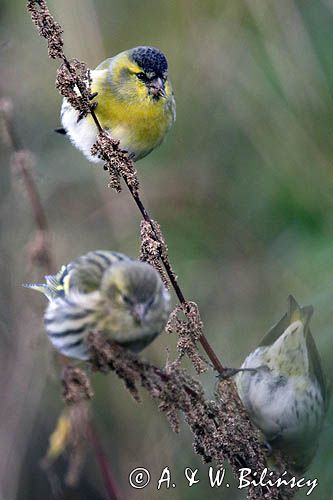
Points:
(210, 422)
(173, 280)
(51, 30)
(108, 479)
(221, 429)
(31, 189)
(49, 264)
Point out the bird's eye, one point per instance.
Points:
(151, 301)
(127, 300)
(142, 77)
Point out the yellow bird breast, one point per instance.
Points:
(139, 122)
(136, 120)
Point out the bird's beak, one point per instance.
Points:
(156, 88)
(139, 312)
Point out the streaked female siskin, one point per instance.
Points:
(284, 392)
(107, 292)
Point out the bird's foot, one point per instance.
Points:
(231, 372)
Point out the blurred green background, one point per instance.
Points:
(242, 187)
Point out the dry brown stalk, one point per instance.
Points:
(151, 249)
(22, 163)
(185, 320)
(116, 161)
(76, 392)
(40, 254)
(221, 429)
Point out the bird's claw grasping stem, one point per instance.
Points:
(231, 372)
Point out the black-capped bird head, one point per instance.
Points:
(141, 72)
(154, 66)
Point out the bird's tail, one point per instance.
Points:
(40, 287)
(53, 287)
(60, 130)
(297, 313)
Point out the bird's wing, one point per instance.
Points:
(274, 333)
(104, 64)
(86, 272)
(315, 366)
(304, 314)
(294, 313)
(68, 321)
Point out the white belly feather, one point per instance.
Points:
(82, 133)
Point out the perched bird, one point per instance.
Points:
(284, 392)
(107, 292)
(135, 103)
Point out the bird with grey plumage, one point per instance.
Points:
(283, 388)
(134, 103)
(108, 292)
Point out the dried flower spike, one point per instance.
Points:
(116, 162)
(152, 247)
(221, 429)
(73, 82)
(47, 27)
(186, 322)
(76, 385)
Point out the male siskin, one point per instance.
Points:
(135, 103)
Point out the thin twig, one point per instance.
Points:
(221, 428)
(31, 189)
(145, 214)
(209, 421)
(52, 32)
(49, 263)
(109, 482)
